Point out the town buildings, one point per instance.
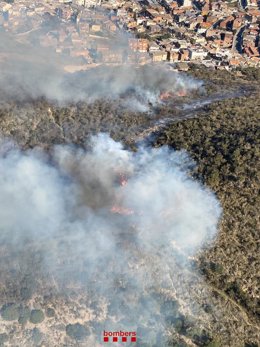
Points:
(214, 33)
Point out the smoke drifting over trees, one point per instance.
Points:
(120, 227)
(117, 222)
(30, 73)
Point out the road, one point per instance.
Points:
(237, 44)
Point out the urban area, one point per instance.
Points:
(218, 34)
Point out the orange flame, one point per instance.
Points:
(122, 210)
(169, 95)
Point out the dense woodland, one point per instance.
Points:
(225, 141)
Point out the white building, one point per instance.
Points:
(187, 3)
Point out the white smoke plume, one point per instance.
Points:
(29, 72)
(116, 221)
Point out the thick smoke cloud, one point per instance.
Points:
(117, 225)
(116, 221)
(29, 72)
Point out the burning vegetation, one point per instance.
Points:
(120, 260)
(167, 95)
